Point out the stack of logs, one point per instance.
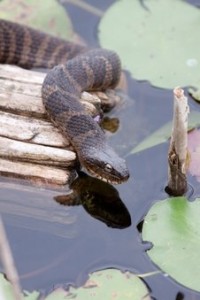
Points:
(30, 146)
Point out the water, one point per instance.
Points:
(56, 245)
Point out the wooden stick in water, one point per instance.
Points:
(177, 155)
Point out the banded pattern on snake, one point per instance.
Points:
(73, 69)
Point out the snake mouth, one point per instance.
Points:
(114, 180)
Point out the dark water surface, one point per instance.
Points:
(57, 245)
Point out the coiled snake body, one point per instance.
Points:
(74, 69)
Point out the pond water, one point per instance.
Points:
(57, 245)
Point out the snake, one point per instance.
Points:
(72, 69)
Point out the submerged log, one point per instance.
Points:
(30, 145)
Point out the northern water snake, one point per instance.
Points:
(74, 69)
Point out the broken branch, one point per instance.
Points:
(177, 155)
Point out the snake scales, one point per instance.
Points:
(73, 68)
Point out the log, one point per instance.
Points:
(30, 145)
(28, 152)
(37, 174)
(177, 154)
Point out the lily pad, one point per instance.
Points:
(157, 41)
(173, 226)
(195, 93)
(109, 284)
(7, 293)
(46, 15)
(105, 284)
(163, 134)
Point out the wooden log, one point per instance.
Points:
(30, 145)
(36, 173)
(27, 129)
(20, 91)
(33, 153)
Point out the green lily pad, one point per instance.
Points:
(163, 134)
(173, 226)
(46, 15)
(105, 284)
(110, 284)
(158, 43)
(195, 93)
(7, 293)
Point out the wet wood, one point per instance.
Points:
(27, 129)
(36, 173)
(177, 155)
(33, 153)
(30, 145)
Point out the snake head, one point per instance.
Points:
(106, 165)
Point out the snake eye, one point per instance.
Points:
(108, 168)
